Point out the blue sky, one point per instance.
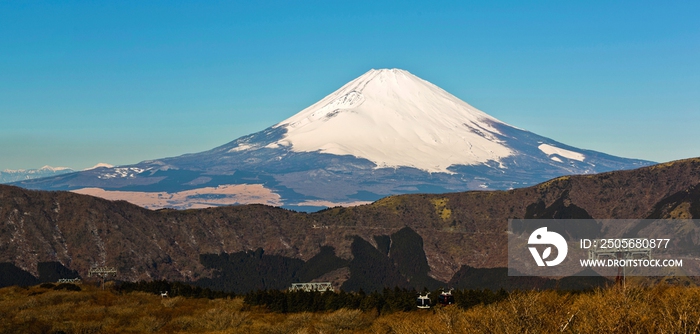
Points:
(125, 81)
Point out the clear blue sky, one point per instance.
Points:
(125, 81)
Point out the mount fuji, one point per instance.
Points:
(387, 132)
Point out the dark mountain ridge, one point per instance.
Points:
(455, 229)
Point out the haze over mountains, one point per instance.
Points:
(386, 132)
(12, 175)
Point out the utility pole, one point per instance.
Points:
(620, 254)
(102, 272)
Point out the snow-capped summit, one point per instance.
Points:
(394, 118)
(54, 169)
(386, 132)
(99, 165)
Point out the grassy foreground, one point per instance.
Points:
(660, 309)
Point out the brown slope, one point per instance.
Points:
(457, 229)
(82, 231)
(468, 228)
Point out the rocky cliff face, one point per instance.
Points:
(456, 229)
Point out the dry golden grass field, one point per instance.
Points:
(660, 309)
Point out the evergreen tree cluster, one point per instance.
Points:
(67, 287)
(173, 288)
(385, 302)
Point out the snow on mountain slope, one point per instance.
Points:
(550, 150)
(393, 118)
(99, 165)
(384, 133)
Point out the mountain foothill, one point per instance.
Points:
(415, 240)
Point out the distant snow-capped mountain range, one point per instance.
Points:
(13, 175)
(386, 132)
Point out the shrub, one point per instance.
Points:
(67, 286)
